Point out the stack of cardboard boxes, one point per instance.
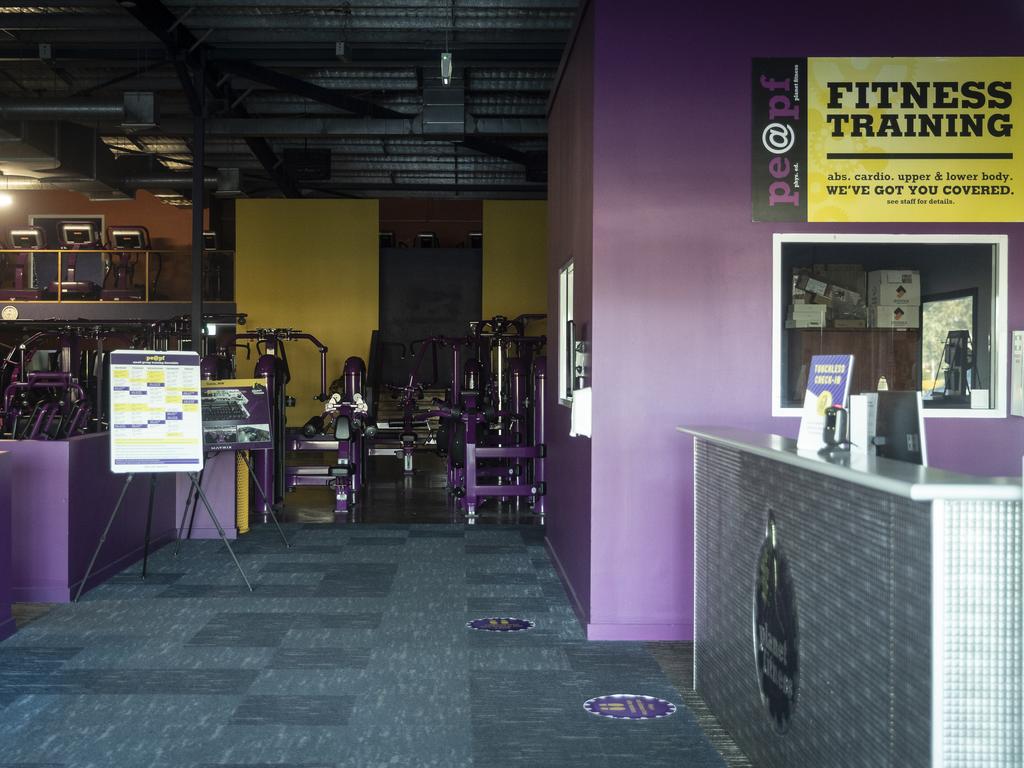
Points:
(828, 296)
(894, 298)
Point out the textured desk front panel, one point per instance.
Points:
(860, 563)
(910, 618)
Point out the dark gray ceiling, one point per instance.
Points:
(100, 96)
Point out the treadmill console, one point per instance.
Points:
(29, 238)
(78, 234)
(128, 238)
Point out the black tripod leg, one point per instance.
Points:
(270, 507)
(189, 503)
(149, 524)
(220, 530)
(103, 538)
(195, 503)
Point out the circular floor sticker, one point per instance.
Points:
(499, 624)
(629, 706)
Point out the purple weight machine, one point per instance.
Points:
(344, 428)
(272, 365)
(30, 240)
(497, 453)
(44, 404)
(492, 419)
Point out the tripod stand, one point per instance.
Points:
(152, 490)
(197, 486)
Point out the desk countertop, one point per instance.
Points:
(896, 477)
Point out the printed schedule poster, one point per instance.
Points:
(155, 416)
(888, 139)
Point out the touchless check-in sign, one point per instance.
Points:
(895, 139)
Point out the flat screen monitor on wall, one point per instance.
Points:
(899, 427)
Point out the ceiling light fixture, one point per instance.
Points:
(446, 68)
(446, 57)
(6, 200)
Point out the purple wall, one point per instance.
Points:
(682, 277)
(62, 494)
(570, 236)
(7, 626)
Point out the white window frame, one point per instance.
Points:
(566, 292)
(999, 313)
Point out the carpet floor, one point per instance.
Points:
(352, 651)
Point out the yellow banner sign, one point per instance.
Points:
(898, 139)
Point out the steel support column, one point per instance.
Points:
(198, 200)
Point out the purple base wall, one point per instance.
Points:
(62, 494)
(681, 291)
(218, 484)
(7, 626)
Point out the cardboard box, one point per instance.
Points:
(894, 317)
(850, 322)
(806, 316)
(894, 287)
(842, 295)
(849, 276)
(807, 309)
(805, 323)
(811, 285)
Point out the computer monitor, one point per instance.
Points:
(899, 427)
(78, 233)
(128, 238)
(29, 238)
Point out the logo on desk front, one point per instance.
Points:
(776, 651)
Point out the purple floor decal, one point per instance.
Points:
(629, 706)
(501, 625)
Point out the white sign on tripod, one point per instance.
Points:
(155, 415)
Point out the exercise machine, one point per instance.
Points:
(75, 237)
(491, 420)
(29, 240)
(272, 364)
(960, 374)
(130, 244)
(344, 428)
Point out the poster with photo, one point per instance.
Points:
(236, 415)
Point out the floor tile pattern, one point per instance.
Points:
(351, 652)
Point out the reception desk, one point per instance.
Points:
(857, 611)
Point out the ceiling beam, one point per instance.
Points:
(308, 90)
(309, 126)
(186, 49)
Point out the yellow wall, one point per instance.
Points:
(311, 265)
(515, 257)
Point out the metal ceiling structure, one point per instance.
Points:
(298, 98)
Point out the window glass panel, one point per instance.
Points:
(893, 301)
(565, 356)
